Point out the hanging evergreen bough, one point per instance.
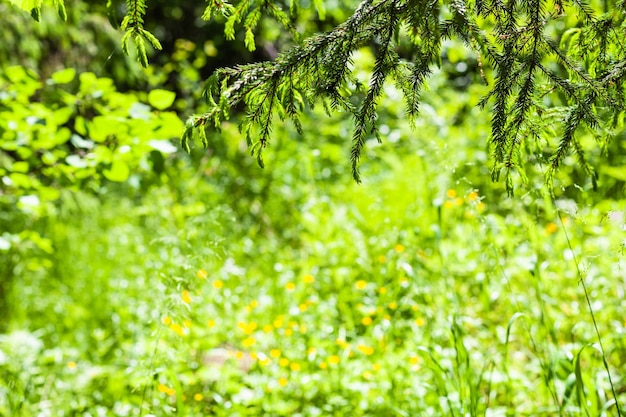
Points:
(582, 73)
(549, 60)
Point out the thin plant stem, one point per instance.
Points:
(593, 317)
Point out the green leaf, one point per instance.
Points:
(119, 171)
(60, 5)
(62, 115)
(36, 13)
(49, 193)
(64, 76)
(20, 180)
(80, 125)
(103, 127)
(20, 166)
(170, 125)
(161, 99)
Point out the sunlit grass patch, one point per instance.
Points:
(428, 300)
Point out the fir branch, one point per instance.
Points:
(133, 25)
(366, 117)
(575, 116)
(524, 101)
(323, 57)
(509, 34)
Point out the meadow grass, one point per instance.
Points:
(230, 291)
(405, 301)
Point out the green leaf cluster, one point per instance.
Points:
(34, 7)
(77, 131)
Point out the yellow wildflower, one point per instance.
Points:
(473, 196)
(551, 228)
(342, 343)
(178, 329)
(165, 389)
(279, 321)
(367, 350)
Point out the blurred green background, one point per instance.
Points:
(138, 280)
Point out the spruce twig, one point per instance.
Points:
(527, 66)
